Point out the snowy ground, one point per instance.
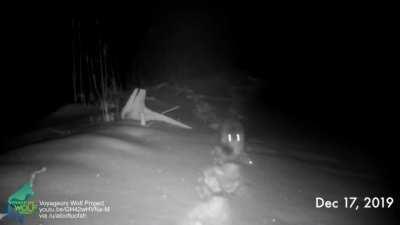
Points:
(149, 176)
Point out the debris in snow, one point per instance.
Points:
(136, 109)
(170, 110)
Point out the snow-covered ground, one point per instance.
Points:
(149, 176)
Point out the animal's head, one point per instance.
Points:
(234, 140)
(233, 137)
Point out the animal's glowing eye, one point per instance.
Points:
(238, 137)
(229, 137)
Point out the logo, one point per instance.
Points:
(18, 205)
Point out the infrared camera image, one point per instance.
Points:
(199, 115)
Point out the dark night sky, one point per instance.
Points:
(329, 68)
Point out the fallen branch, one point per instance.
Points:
(171, 109)
(136, 109)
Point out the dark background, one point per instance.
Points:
(327, 70)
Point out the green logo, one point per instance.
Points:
(25, 207)
(19, 200)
